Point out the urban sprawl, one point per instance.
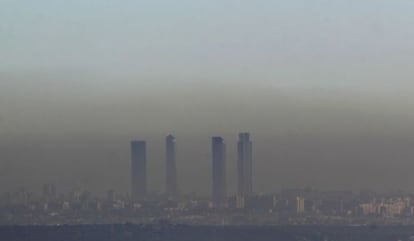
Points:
(289, 206)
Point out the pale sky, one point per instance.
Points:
(322, 43)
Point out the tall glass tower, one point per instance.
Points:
(244, 165)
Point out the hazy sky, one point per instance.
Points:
(321, 43)
(324, 86)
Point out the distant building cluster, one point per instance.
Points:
(218, 161)
(388, 207)
(289, 206)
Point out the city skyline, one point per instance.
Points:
(276, 163)
(218, 169)
(209, 120)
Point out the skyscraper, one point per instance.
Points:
(244, 165)
(219, 172)
(170, 167)
(138, 169)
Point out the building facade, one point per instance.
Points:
(244, 165)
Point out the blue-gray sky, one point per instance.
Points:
(323, 85)
(322, 43)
